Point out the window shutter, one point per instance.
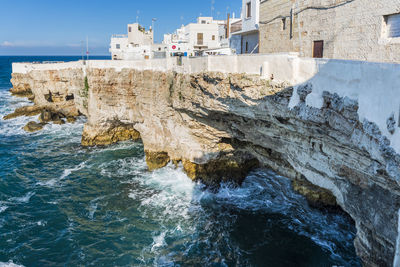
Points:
(393, 23)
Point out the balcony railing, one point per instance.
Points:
(236, 27)
(119, 36)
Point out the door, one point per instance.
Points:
(200, 38)
(318, 49)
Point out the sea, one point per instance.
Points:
(65, 205)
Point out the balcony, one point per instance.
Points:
(119, 36)
(236, 27)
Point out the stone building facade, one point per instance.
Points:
(340, 29)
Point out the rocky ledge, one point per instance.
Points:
(58, 97)
(219, 126)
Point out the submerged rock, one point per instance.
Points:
(59, 121)
(33, 126)
(71, 119)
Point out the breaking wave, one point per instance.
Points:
(9, 264)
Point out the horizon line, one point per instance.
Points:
(53, 56)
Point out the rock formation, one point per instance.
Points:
(219, 126)
(57, 95)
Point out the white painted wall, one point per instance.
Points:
(251, 23)
(208, 31)
(137, 37)
(118, 53)
(375, 86)
(25, 68)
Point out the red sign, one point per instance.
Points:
(174, 47)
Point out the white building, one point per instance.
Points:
(206, 36)
(119, 44)
(137, 44)
(245, 33)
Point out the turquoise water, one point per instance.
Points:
(64, 205)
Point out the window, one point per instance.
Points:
(118, 46)
(248, 10)
(284, 24)
(203, 22)
(247, 47)
(393, 25)
(213, 38)
(129, 29)
(200, 38)
(159, 49)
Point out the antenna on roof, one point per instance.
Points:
(152, 23)
(87, 47)
(83, 49)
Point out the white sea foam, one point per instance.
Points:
(41, 223)
(15, 126)
(9, 264)
(56, 181)
(93, 206)
(92, 210)
(3, 208)
(123, 167)
(171, 198)
(168, 193)
(23, 199)
(9, 104)
(67, 172)
(158, 241)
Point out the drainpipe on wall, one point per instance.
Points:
(291, 23)
(299, 30)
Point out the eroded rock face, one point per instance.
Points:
(316, 196)
(221, 125)
(53, 93)
(156, 160)
(22, 87)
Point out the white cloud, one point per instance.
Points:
(7, 44)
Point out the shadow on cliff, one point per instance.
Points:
(329, 147)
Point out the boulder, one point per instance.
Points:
(33, 126)
(24, 111)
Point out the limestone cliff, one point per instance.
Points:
(58, 96)
(221, 125)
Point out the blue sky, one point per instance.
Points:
(57, 27)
